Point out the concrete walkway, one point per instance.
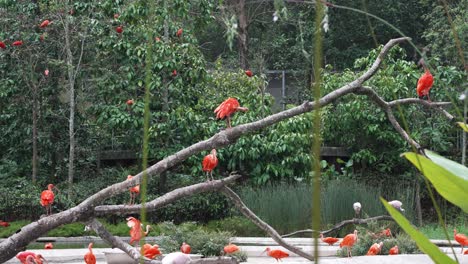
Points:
(253, 246)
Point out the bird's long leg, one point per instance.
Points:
(211, 174)
(228, 119)
(428, 98)
(208, 176)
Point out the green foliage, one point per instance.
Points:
(366, 240)
(423, 243)
(434, 231)
(207, 243)
(237, 225)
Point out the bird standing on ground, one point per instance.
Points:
(210, 162)
(461, 239)
(176, 258)
(329, 240)
(397, 205)
(37, 258)
(151, 251)
(134, 191)
(136, 230)
(185, 248)
(230, 248)
(357, 209)
(47, 198)
(394, 250)
(4, 224)
(375, 249)
(348, 242)
(424, 84)
(227, 108)
(48, 246)
(89, 257)
(277, 254)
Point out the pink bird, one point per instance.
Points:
(348, 242)
(136, 230)
(210, 162)
(176, 258)
(227, 108)
(397, 205)
(37, 258)
(134, 191)
(394, 251)
(45, 23)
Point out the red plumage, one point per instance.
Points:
(4, 224)
(227, 108)
(18, 43)
(210, 161)
(89, 257)
(374, 249)
(394, 251)
(329, 240)
(231, 248)
(47, 196)
(425, 83)
(44, 23)
(277, 254)
(151, 251)
(249, 73)
(2, 45)
(185, 248)
(119, 29)
(179, 32)
(461, 239)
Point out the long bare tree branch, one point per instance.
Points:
(261, 224)
(354, 221)
(85, 210)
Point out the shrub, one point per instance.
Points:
(237, 225)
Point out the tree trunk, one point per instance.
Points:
(71, 124)
(34, 132)
(242, 34)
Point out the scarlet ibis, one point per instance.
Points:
(2, 45)
(44, 23)
(119, 29)
(461, 239)
(397, 205)
(46, 72)
(151, 251)
(174, 73)
(176, 258)
(47, 198)
(134, 191)
(48, 246)
(465, 252)
(136, 230)
(4, 224)
(387, 232)
(329, 240)
(375, 249)
(424, 84)
(249, 73)
(231, 248)
(185, 248)
(357, 209)
(179, 32)
(130, 102)
(277, 254)
(227, 108)
(17, 43)
(348, 242)
(210, 162)
(394, 250)
(38, 258)
(89, 257)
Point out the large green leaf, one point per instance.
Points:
(423, 242)
(449, 178)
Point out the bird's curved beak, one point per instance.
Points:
(262, 252)
(44, 260)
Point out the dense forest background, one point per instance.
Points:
(64, 94)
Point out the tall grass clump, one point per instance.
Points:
(288, 208)
(285, 207)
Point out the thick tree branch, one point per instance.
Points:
(167, 198)
(261, 224)
(433, 105)
(354, 221)
(85, 210)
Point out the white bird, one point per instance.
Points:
(397, 205)
(357, 209)
(176, 258)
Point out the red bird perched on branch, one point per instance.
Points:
(227, 108)
(23, 257)
(4, 224)
(47, 198)
(231, 248)
(185, 248)
(210, 162)
(44, 23)
(461, 239)
(151, 251)
(134, 191)
(375, 249)
(2, 45)
(394, 251)
(277, 254)
(348, 242)
(136, 230)
(424, 84)
(89, 257)
(329, 240)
